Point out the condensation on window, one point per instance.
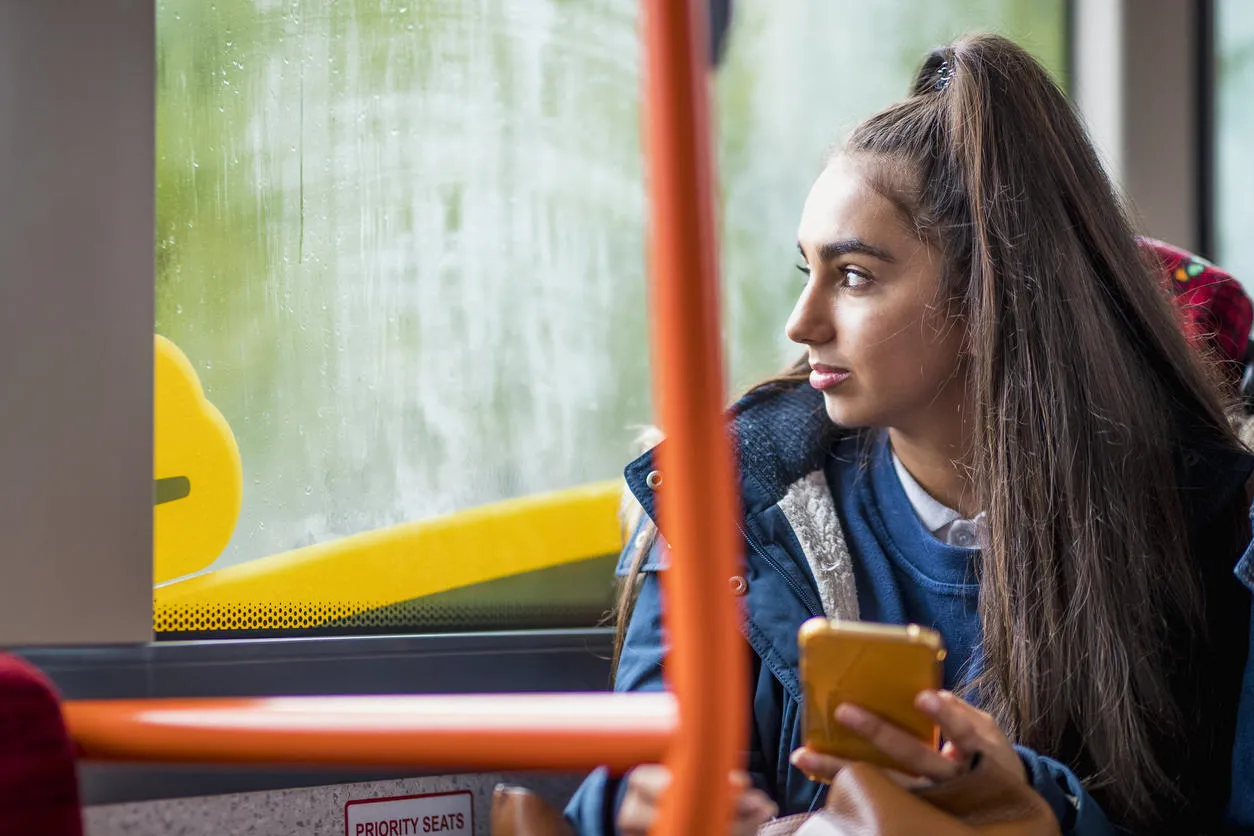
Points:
(402, 241)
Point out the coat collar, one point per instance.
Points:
(781, 433)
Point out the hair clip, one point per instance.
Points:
(943, 74)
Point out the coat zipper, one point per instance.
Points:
(805, 596)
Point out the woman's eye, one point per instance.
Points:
(804, 268)
(855, 279)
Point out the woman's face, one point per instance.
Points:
(883, 349)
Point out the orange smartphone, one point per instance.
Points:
(880, 667)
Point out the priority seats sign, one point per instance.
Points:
(445, 813)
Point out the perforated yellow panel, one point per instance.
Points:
(574, 594)
(183, 618)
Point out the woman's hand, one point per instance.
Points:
(646, 783)
(969, 735)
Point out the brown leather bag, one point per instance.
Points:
(517, 811)
(987, 801)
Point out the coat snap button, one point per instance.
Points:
(739, 585)
(654, 480)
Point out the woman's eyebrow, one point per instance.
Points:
(849, 246)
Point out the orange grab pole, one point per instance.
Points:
(706, 665)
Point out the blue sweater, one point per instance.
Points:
(904, 574)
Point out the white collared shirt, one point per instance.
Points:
(946, 524)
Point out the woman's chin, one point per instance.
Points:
(846, 414)
(840, 414)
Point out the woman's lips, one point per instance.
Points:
(827, 377)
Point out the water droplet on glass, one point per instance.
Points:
(308, 491)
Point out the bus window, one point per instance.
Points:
(401, 247)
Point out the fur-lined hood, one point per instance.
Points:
(783, 436)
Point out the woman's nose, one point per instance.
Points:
(811, 319)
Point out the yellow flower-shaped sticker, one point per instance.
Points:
(199, 480)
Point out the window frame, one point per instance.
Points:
(1146, 107)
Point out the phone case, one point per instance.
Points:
(880, 667)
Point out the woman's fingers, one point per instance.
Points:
(635, 815)
(751, 802)
(968, 732)
(647, 783)
(649, 780)
(755, 807)
(823, 768)
(960, 723)
(815, 765)
(911, 754)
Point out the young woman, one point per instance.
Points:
(997, 430)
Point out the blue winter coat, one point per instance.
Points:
(783, 437)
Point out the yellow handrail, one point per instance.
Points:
(342, 578)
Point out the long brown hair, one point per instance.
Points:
(1082, 388)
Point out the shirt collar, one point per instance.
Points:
(934, 515)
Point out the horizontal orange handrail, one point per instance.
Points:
(471, 732)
